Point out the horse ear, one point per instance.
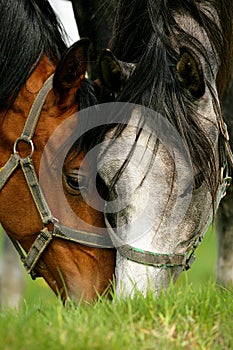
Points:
(113, 73)
(71, 70)
(190, 73)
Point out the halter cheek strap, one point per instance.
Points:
(26, 163)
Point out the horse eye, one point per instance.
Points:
(76, 182)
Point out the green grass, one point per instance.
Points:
(179, 319)
(193, 314)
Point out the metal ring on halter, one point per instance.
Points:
(29, 142)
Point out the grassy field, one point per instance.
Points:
(193, 314)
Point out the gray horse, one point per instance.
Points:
(180, 54)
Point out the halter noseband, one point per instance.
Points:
(82, 237)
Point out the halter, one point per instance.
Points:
(46, 235)
(95, 240)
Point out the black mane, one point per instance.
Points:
(29, 28)
(144, 34)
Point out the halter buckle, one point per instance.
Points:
(26, 140)
(189, 261)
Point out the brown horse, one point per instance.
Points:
(33, 104)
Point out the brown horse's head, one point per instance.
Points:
(69, 268)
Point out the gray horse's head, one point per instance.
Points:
(164, 164)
